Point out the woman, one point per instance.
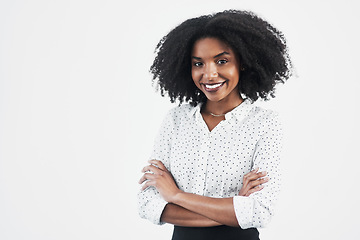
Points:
(207, 171)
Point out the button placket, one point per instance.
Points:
(203, 162)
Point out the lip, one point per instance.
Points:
(212, 87)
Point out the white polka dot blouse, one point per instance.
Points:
(213, 163)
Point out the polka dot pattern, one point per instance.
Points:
(213, 163)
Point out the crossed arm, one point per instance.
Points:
(186, 209)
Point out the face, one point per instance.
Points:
(215, 70)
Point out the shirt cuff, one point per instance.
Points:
(152, 209)
(160, 206)
(244, 211)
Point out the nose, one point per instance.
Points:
(210, 72)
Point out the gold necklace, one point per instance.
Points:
(221, 115)
(216, 115)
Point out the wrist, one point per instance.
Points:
(176, 198)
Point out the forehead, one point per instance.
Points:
(210, 47)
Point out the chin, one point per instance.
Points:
(214, 98)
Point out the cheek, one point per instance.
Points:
(233, 73)
(196, 76)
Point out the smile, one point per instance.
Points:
(213, 87)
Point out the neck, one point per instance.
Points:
(222, 107)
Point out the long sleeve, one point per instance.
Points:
(150, 203)
(213, 163)
(257, 209)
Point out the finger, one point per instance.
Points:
(252, 171)
(142, 179)
(146, 185)
(253, 190)
(253, 175)
(257, 182)
(158, 164)
(153, 169)
(261, 174)
(147, 176)
(257, 175)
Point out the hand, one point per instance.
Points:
(158, 176)
(252, 182)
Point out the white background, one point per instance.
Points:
(78, 116)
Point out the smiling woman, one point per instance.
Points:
(214, 171)
(256, 44)
(215, 69)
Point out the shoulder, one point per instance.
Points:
(265, 119)
(180, 112)
(263, 113)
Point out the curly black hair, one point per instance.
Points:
(260, 48)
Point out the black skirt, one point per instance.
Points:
(214, 233)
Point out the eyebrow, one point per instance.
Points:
(218, 55)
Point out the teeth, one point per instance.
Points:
(213, 86)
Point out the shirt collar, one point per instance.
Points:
(195, 111)
(239, 113)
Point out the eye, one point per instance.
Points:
(222, 61)
(198, 64)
